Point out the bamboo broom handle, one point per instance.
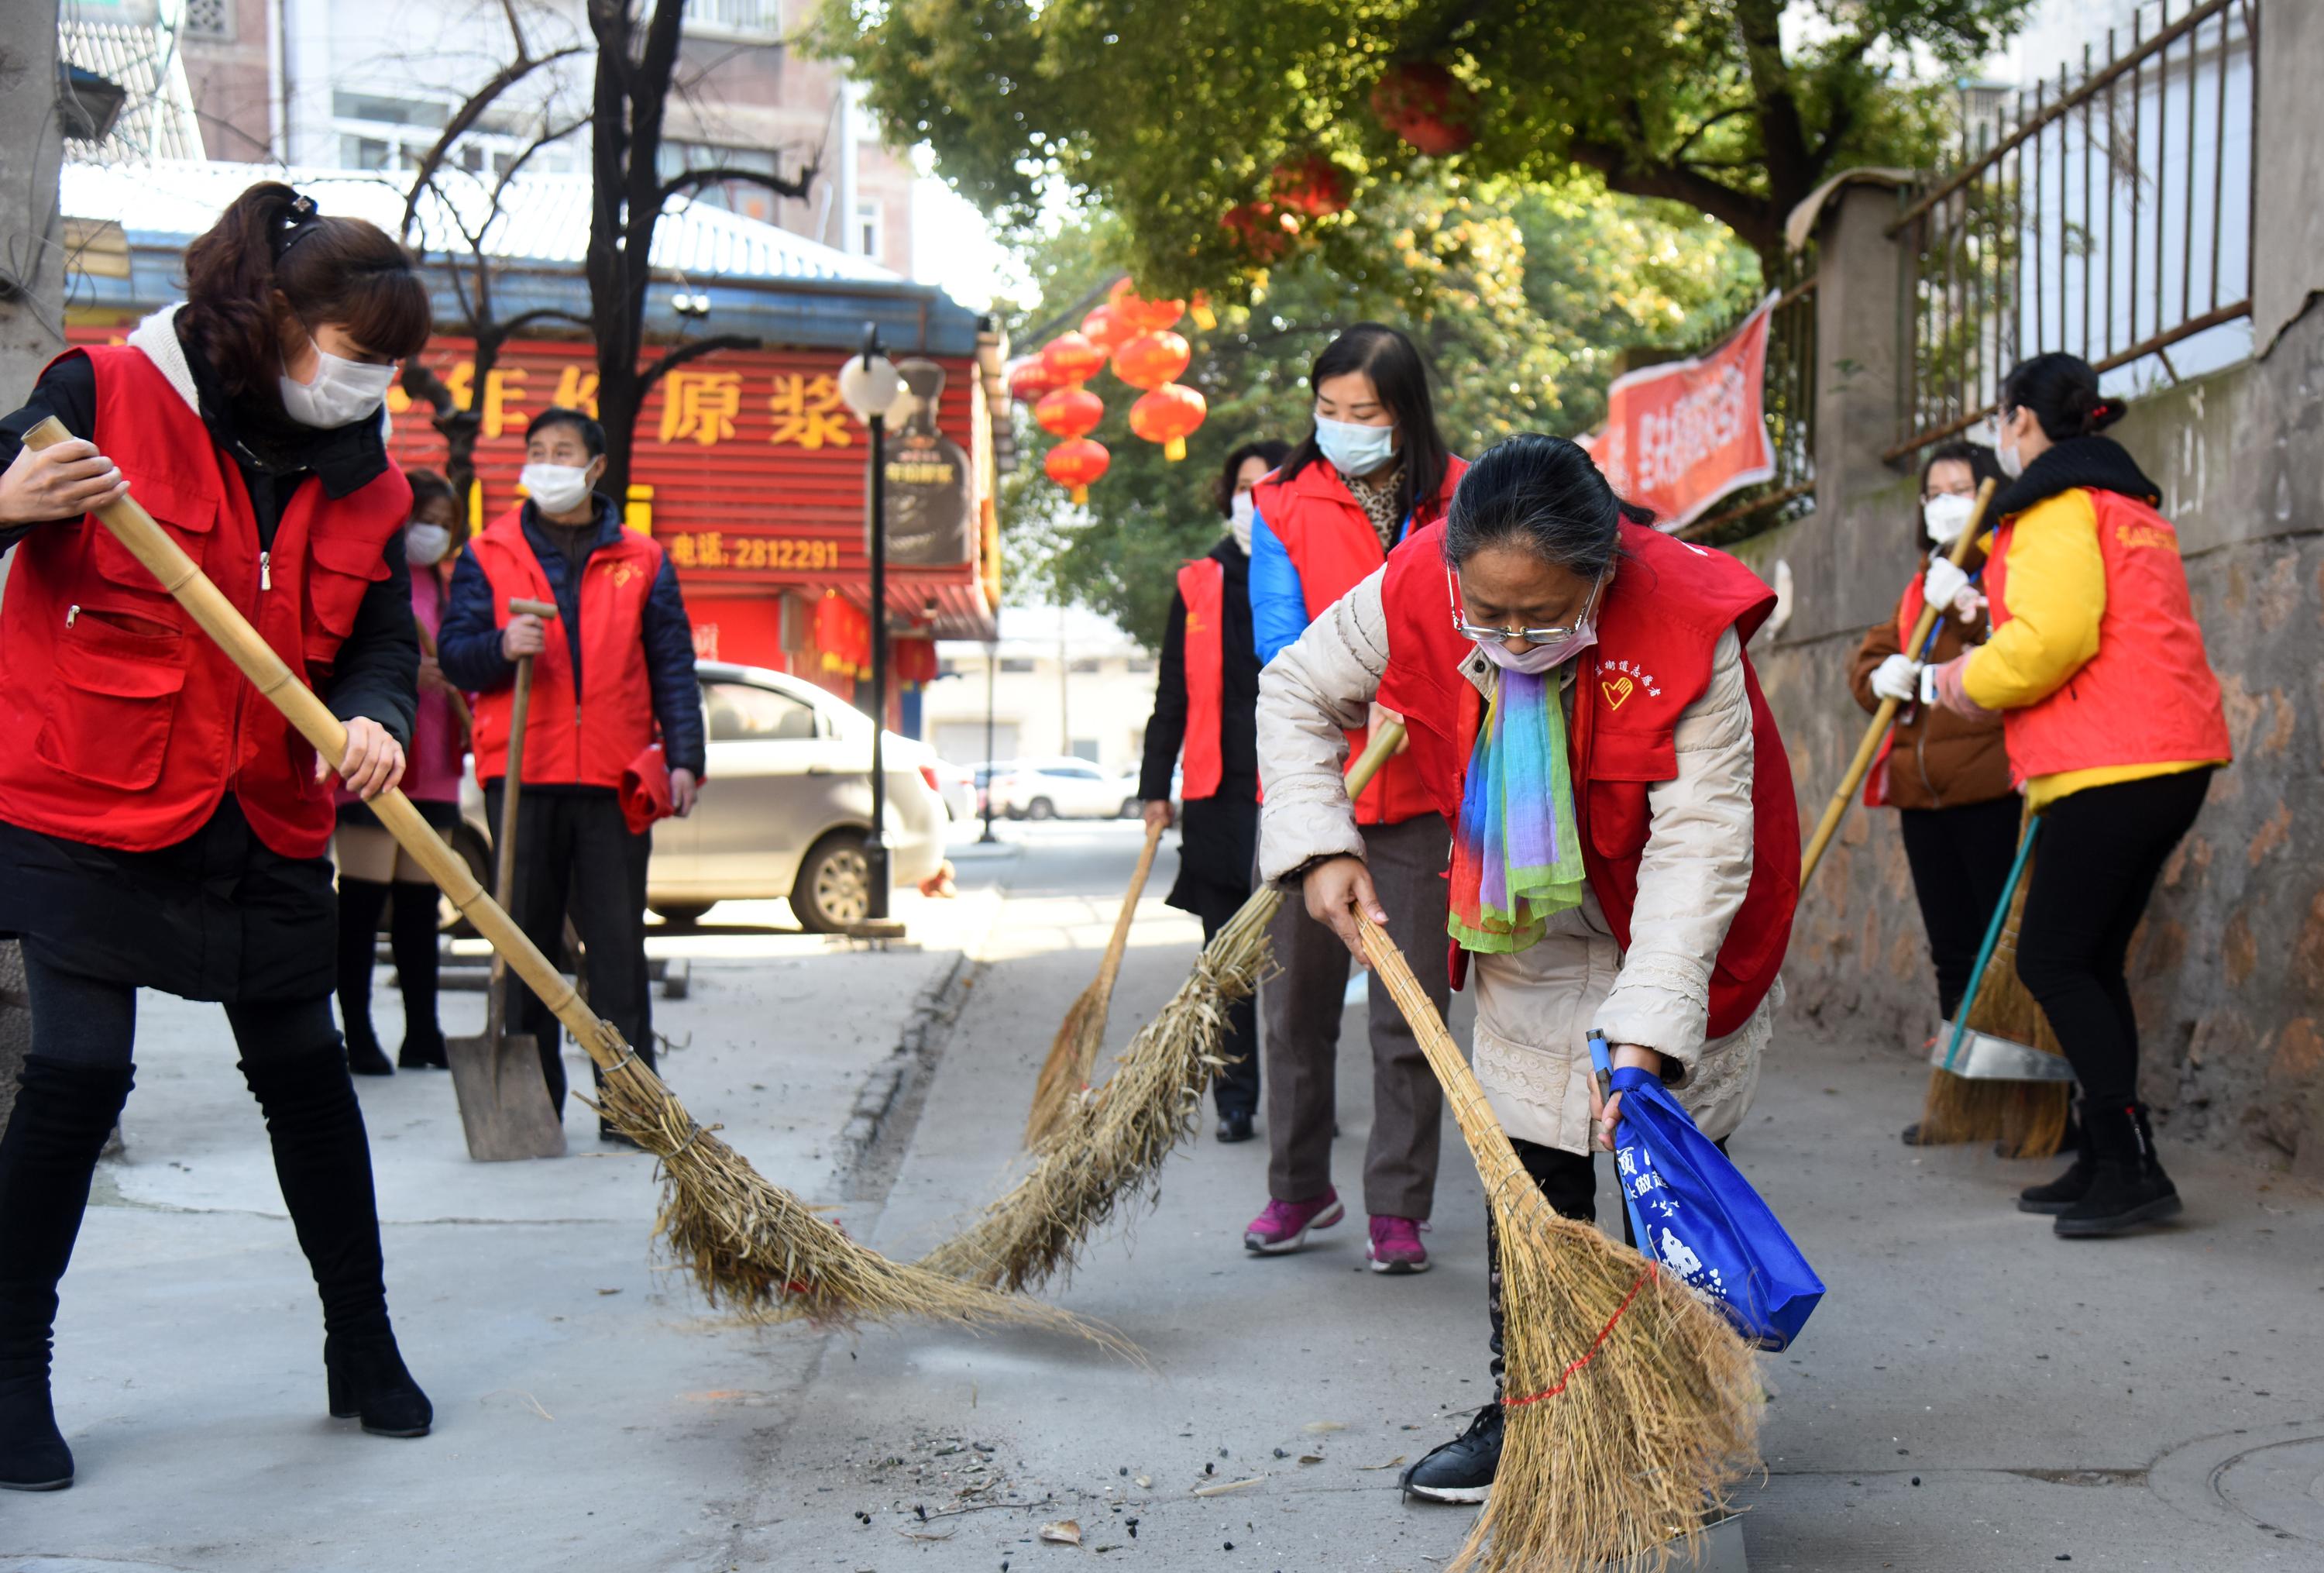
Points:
(1882, 718)
(1110, 965)
(134, 528)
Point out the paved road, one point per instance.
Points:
(1974, 1395)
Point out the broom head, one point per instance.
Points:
(1073, 1054)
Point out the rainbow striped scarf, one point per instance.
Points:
(1516, 859)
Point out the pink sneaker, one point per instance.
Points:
(1284, 1225)
(1396, 1246)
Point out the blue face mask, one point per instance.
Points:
(1354, 449)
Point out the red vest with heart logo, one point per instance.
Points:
(1658, 626)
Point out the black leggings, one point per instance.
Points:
(1961, 859)
(89, 1022)
(2095, 865)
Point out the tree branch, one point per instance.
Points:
(1678, 155)
(464, 120)
(524, 319)
(1757, 220)
(687, 181)
(693, 350)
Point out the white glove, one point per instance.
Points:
(1944, 582)
(1898, 678)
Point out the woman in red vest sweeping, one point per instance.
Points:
(1627, 857)
(1373, 471)
(2113, 722)
(161, 825)
(1203, 700)
(374, 870)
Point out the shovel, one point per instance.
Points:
(504, 1105)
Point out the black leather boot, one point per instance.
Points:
(63, 1114)
(360, 901)
(2070, 1187)
(323, 1161)
(2127, 1185)
(411, 934)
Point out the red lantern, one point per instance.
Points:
(1169, 415)
(1149, 316)
(1427, 106)
(1152, 359)
(1069, 411)
(915, 661)
(1077, 465)
(1312, 185)
(1107, 328)
(1262, 233)
(1028, 379)
(1199, 308)
(1070, 360)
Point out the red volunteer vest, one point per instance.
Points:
(2148, 695)
(1201, 584)
(1332, 542)
(1658, 626)
(586, 739)
(126, 724)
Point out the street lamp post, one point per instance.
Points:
(869, 384)
(991, 668)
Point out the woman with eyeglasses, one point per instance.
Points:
(162, 826)
(1626, 852)
(1946, 775)
(2114, 724)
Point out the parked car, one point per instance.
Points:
(956, 784)
(785, 805)
(1072, 788)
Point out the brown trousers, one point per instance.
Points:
(1301, 1006)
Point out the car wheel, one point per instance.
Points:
(833, 890)
(681, 914)
(1040, 808)
(1131, 809)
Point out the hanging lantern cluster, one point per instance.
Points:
(1134, 334)
(1169, 415)
(1427, 106)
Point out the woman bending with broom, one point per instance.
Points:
(1626, 856)
(2114, 724)
(161, 825)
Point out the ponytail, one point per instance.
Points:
(343, 270)
(2063, 391)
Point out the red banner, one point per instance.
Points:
(1679, 437)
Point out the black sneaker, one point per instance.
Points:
(1234, 1125)
(1462, 1470)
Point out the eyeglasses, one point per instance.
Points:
(1481, 631)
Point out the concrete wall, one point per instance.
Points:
(2229, 970)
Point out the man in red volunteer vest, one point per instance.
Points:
(1372, 470)
(616, 670)
(1626, 856)
(1203, 700)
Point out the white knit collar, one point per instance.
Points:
(156, 338)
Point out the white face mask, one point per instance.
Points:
(557, 488)
(1243, 509)
(2005, 449)
(1354, 450)
(424, 545)
(1945, 516)
(344, 391)
(1540, 658)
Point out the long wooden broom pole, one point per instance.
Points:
(1886, 715)
(134, 528)
(1110, 965)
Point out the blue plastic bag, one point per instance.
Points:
(1694, 1213)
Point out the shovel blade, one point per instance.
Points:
(504, 1107)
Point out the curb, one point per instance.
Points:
(933, 1013)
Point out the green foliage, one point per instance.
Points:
(1170, 116)
(1519, 300)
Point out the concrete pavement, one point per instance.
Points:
(1973, 1394)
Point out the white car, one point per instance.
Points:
(1062, 788)
(785, 804)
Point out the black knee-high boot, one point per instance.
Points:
(63, 1114)
(411, 934)
(323, 1161)
(361, 902)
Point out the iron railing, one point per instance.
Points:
(1789, 406)
(2108, 216)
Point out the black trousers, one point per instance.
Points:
(575, 854)
(1236, 1087)
(1960, 860)
(2100, 852)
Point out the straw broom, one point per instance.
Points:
(751, 1245)
(2026, 1118)
(1110, 1143)
(1073, 1053)
(1632, 1404)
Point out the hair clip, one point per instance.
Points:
(298, 220)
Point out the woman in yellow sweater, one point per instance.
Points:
(2113, 722)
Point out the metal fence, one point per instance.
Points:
(2109, 216)
(1789, 405)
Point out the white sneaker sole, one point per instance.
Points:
(1323, 1220)
(1456, 1494)
(1404, 1269)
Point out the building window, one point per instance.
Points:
(211, 19)
(736, 18)
(1016, 663)
(867, 229)
(377, 132)
(1084, 663)
(747, 197)
(1085, 748)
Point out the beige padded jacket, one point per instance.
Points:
(1535, 1008)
